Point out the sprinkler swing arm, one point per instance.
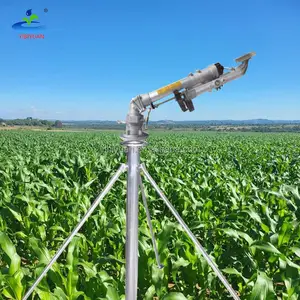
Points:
(196, 83)
(184, 90)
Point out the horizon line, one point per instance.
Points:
(115, 120)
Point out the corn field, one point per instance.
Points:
(238, 193)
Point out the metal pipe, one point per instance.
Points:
(205, 77)
(76, 229)
(131, 251)
(191, 235)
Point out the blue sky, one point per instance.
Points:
(97, 55)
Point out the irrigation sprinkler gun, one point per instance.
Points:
(184, 91)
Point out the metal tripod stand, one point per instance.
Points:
(192, 86)
(134, 181)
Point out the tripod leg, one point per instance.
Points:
(191, 235)
(76, 229)
(160, 266)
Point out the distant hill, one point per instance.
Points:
(230, 122)
(90, 123)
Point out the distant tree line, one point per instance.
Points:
(31, 122)
(154, 126)
(232, 128)
(194, 127)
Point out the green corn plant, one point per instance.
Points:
(12, 273)
(238, 192)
